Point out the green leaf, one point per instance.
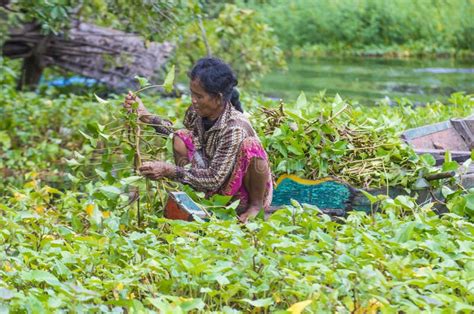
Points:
(72, 162)
(5, 140)
(222, 280)
(372, 199)
(462, 307)
(446, 191)
(457, 205)
(421, 183)
(40, 276)
(277, 132)
(301, 101)
(137, 307)
(251, 226)
(338, 104)
(260, 215)
(194, 304)
(169, 80)
(161, 304)
(142, 81)
(428, 159)
(324, 237)
(92, 140)
(259, 302)
(234, 204)
(130, 180)
(221, 200)
(295, 150)
(101, 174)
(447, 156)
(72, 178)
(34, 305)
(405, 232)
(105, 136)
(79, 156)
(87, 136)
(470, 200)
(297, 308)
(6, 294)
(110, 192)
(100, 100)
(405, 201)
(450, 166)
(295, 116)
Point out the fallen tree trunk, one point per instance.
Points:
(110, 56)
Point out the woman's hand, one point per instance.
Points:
(157, 169)
(143, 113)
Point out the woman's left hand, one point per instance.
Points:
(157, 169)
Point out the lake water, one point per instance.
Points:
(369, 80)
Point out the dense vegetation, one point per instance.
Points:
(233, 33)
(371, 26)
(82, 231)
(69, 242)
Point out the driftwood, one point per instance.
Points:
(110, 56)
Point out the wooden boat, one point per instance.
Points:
(455, 136)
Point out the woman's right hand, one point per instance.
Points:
(143, 113)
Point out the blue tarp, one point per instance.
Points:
(68, 81)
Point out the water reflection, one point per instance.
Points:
(444, 70)
(369, 80)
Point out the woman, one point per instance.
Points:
(223, 149)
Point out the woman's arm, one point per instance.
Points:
(221, 164)
(162, 126)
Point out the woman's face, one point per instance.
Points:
(205, 104)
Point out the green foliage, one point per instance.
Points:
(235, 36)
(169, 80)
(389, 263)
(330, 136)
(37, 132)
(371, 24)
(152, 19)
(410, 116)
(69, 241)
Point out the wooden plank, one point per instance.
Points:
(441, 151)
(425, 130)
(447, 139)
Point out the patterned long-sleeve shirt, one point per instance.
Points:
(216, 150)
(162, 126)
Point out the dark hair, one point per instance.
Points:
(217, 77)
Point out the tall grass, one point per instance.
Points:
(360, 23)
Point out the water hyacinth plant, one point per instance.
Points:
(70, 241)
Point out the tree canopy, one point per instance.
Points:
(195, 28)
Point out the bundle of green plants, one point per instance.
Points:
(361, 145)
